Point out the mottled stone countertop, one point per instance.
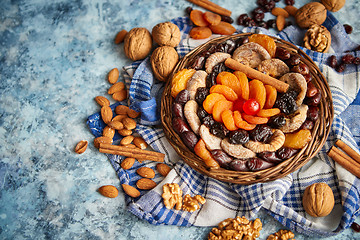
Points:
(54, 59)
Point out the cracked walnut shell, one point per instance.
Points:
(318, 200)
(309, 14)
(163, 60)
(166, 34)
(317, 38)
(137, 43)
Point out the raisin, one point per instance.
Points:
(332, 61)
(348, 28)
(261, 2)
(261, 133)
(238, 137)
(269, 6)
(208, 121)
(241, 19)
(286, 153)
(277, 121)
(257, 10)
(286, 102)
(347, 59)
(282, 53)
(219, 130)
(201, 113)
(227, 19)
(201, 94)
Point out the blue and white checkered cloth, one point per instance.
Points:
(282, 198)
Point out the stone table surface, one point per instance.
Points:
(54, 59)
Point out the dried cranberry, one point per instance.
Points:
(355, 227)
(347, 59)
(188, 10)
(269, 6)
(271, 23)
(249, 22)
(241, 19)
(340, 67)
(332, 61)
(289, 2)
(348, 28)
(227, 19)
(282, 53)
(258, 10)
(356, 61)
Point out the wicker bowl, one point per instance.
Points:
(319, 133)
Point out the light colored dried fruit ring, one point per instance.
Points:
(273, 67)
(236, 150)
(190, 112)
(251, 54)
(211, 141)
(298, 83)
(215, 59)
(294, 123)
(197, 80)
(276, 142)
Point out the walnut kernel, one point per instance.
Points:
(172, 196)
(166, 34)
(191, 204)
(281, 235)
(317, 38)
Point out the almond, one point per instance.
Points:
(108, 191)
(291, 9)
(120, 95)
(120, 36)
(132, 113)
(140, 142)
(102, 139)
(113, 75)
(280, 22)
(119, 117)
(127, 140)
(116, 87)
(125, 132)
(127, 163)
(81, 146)
(108, 132)
(102, 101)
(279, 11)
(129, 123)
(106, 114)
(146, 172)
(121, 109)
(131, 191)
(117, 125)
(145, 184)
(163, 169)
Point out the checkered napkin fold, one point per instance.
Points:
(281, 198)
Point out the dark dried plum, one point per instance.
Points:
(269, 157)
(208, 121)
(277, 121)
(201, 94)
(198, 63)
(286, 153)
(202, 113)
(221, 157)
(182, 97)
(257, 164)
(189, 138)
(286, 102)
(261, 133)
(313, 113)
(219, 130)
(180, 125)
(238, 137)
(177, 110)
(241, 41)
(241, 18)
(211, 79)
(227, 46)
(239, 165)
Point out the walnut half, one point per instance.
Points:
(317, 38)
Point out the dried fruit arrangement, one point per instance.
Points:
(233, 121)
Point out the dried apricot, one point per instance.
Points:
(224, 90)
(230, 80)
(257, 91)
(265, 41)
(271, 95)
(201, 150)
(268, 112)
(219, 107)
(180, 80)
(212, 18)
(298, 139)
(223, 28)
(254, 120)
(196, 16)
(240, 123)
(200, 32)
(244, 84)
(227, 117)
(210, 101)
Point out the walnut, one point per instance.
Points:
(309, 14)
(137, 43)
(317, 38)
(281, 235)
(166, 34)
(318, 200)
(163, 60)
(333, 5)
(172, 195)
(191, 204)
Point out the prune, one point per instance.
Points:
(355, 227)
(307, 77)
(238, 137)
(277, 121)
(332, 61)
(269, 157)
(311, 89)
(202, 113)
(182, 97)
(313, 113)
(282, 53)
(227, 46)
(308, 124)
(289, 2)
(221, 157)
(178, 110)
(239, 165)
(340, 67)
(180, 125)
(314, 100)
(201, 94)
(293, 60)
(241, 41)
(227, 19)
(301, 68)
(211, 79)
(257, 164)
(356, 61)
(198, 63)
(261, 133)
(286, 153)
(208, 121)
(348, 28)
(189, 138)
(347, 59)
(271, 23)
(241, 18)
(219, 130)
(286, 103)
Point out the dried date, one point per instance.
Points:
(286, 153)
(182, 97)
(180, 125)
(178, 110)
(270, 157)
(189, 139)
(221, 157)
(239, 165)
(257, 164)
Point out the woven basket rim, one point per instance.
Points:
(320, 131)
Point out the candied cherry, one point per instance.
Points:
(251, 107)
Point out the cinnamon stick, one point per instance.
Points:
(350, 165)
(351, 152)
(255, 74)
(208, 5)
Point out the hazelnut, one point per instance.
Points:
(333, 5)
(166, 34)
(309, 14)
(163, 60)
(137, 43)
(317, 38)
(318, 200)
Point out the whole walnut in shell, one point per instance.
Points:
(317, 38)
(166, 34)
(163, 60)
(333, 5)
(137, 43)
(318, 200)
(309, 14)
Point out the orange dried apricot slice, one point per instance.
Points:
(223, 28)
(244, 84)
(268, 112)
(271, 95)
(224, 90)
(227, 117)
(240, 123)
(254, 120)
(210, 101)
(298, 139)
(200, 32)
(201, 150)
(219, 107)
(257, 91)
(212, 18)
(196, 16)
(265, 41)
(230, 80)
(180, 80)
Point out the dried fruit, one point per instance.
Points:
(201, 94)
(146, 172)
(219, 108)
(227, 118)
(277, 121)
(257, 91)
(239, 136)
(201, 150)
(180, 80)
(190, 113)
(196, 16)
(298, 139)
(163, 169)
(183, 97)
(262, 133)
(244, 84)
(265, 41)
(145, 184)
(189, 139)
(108, 191)
(223, 28)
(228, 92)
(231, 80)
(240, 123)
(81, 147)
(271, 95)
(268, 112)
(131, 191)
(212, 18)
(113, 75)
(127, 163)
(257, 164)
(210, 101)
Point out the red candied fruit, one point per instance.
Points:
(251, 107)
